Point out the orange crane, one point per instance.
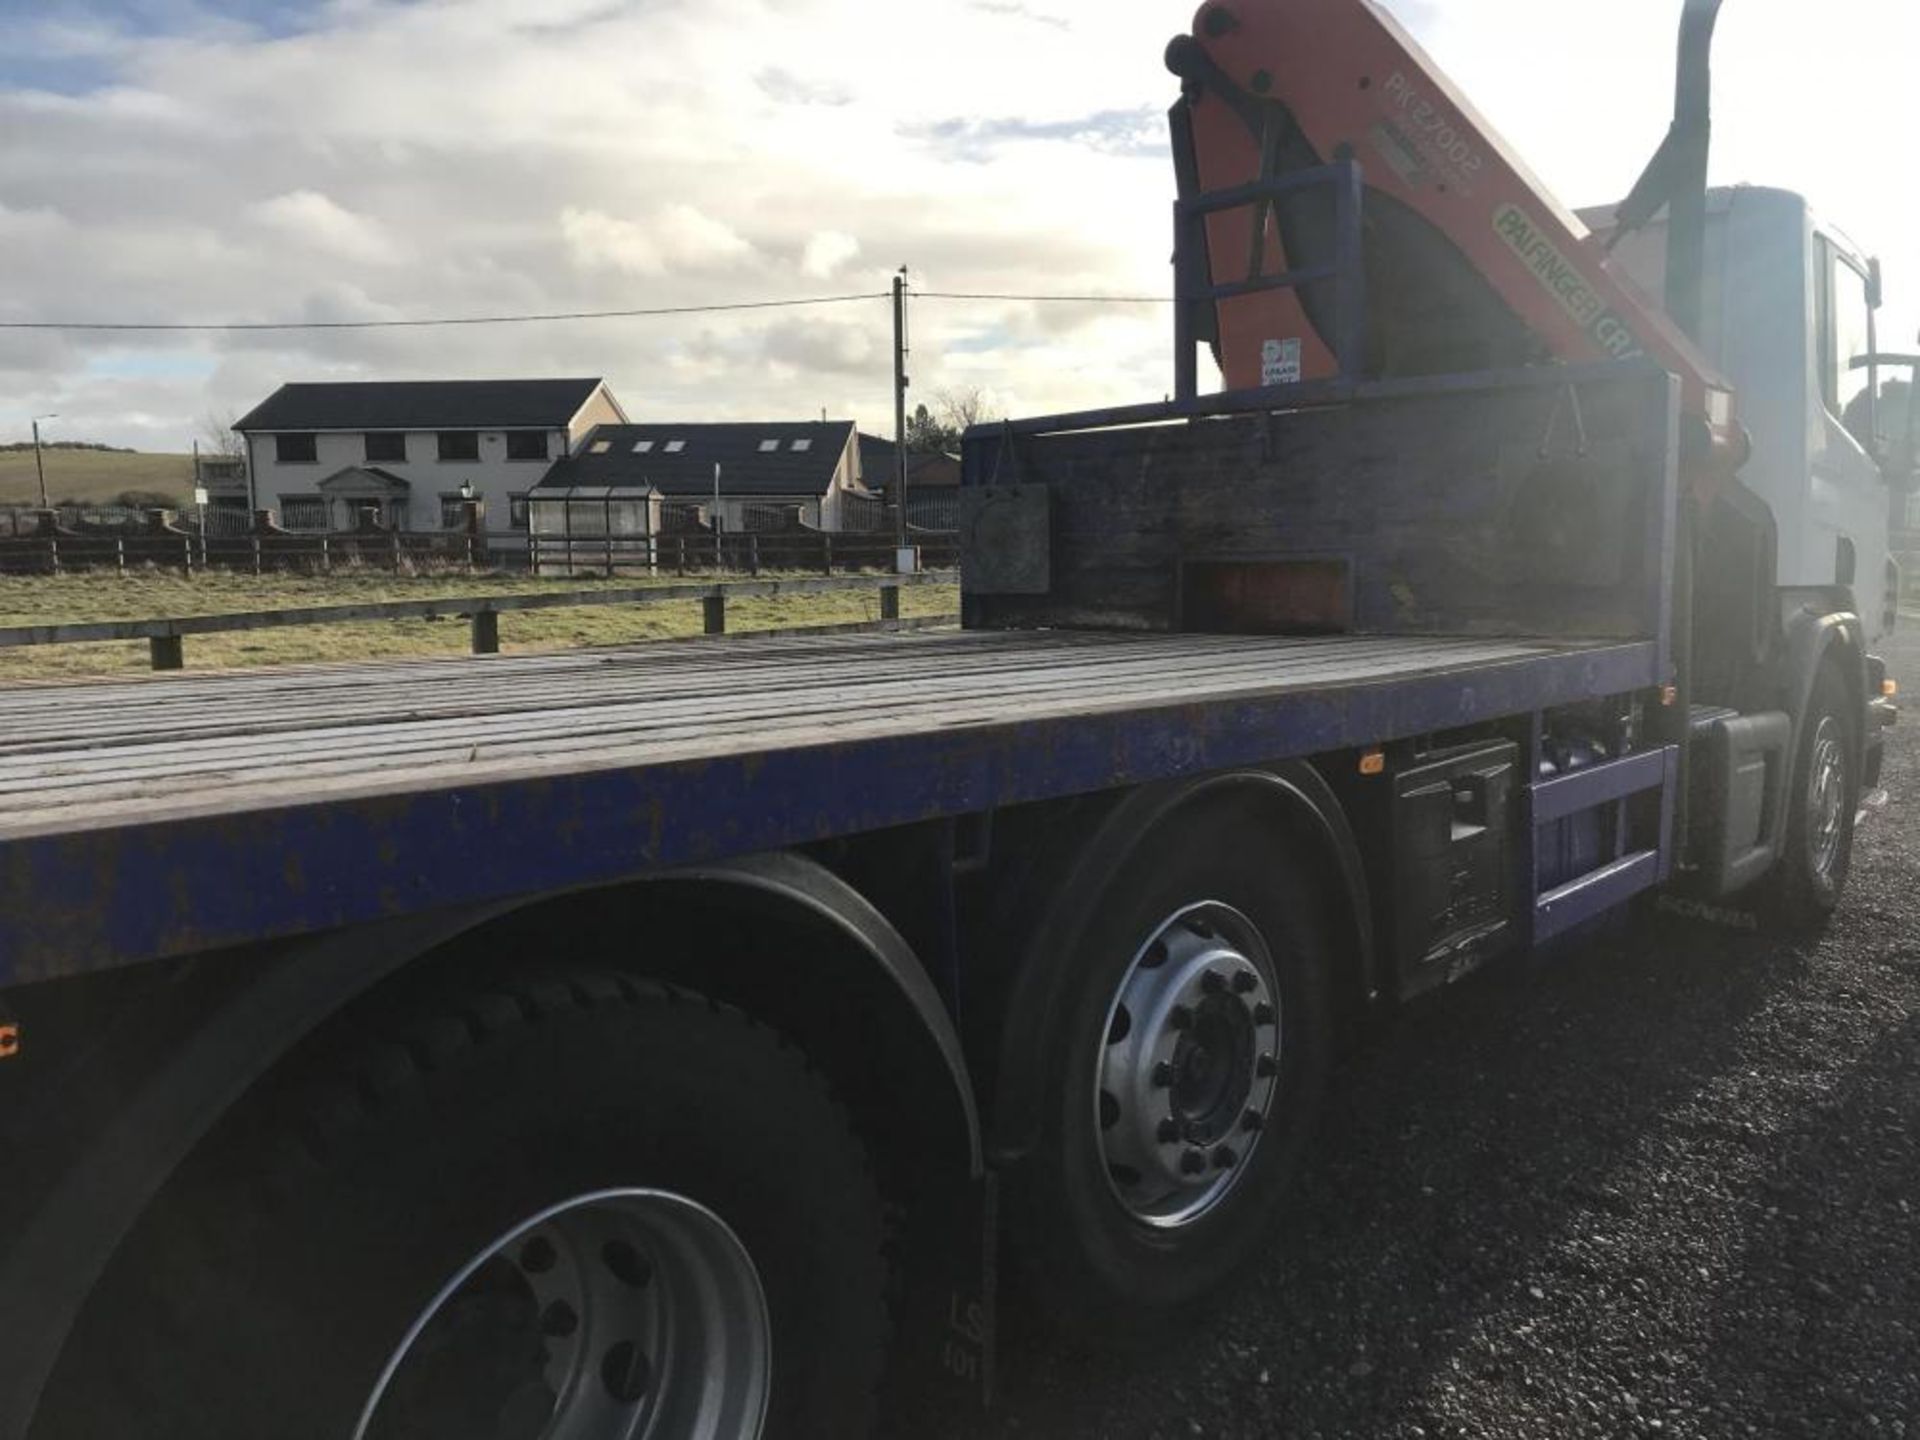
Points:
(1470, 265)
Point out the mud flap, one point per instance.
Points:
(945, 1316)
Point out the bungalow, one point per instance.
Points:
(770, 476)
(412, 454)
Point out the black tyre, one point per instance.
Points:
(1193, 1049)
(576, 1208)
(1822, 802)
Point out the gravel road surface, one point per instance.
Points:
(1667, 1185)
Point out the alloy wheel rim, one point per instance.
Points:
(616, 1315)
(1189, 1067)
(1826, 798)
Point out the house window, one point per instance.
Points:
(303, 512)
(643, 447)
(600, 447)
(767, 447)
(453, 510)
(386, 445)
(802, 446)
(674, 447)
(459, 445)
(526, 444)
(517, 511)
(296, 449)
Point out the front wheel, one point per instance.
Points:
(1194, 1047)
(583, 1208)
(1823, 798)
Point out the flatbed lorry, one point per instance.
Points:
(653, 1041)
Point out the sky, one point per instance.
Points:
(191, 160)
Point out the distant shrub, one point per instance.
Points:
(146, 500)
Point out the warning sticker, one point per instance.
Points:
(1565, 282)
(1280, 362)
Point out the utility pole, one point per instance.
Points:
(715, 517)
(901, 558)
(38, 468)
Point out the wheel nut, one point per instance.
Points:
(1266, 1067)
(1213, 982)
(1224, 1157)
(1168, 1131)
(1162, 1075)
(537, 1255)
(1243, 981)
(1193, 1162)
(1263, 1014)
(1251, 1121)
(1180, 1018)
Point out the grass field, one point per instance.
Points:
(41, 600)
(92, 476)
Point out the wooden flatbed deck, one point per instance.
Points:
(150, 817)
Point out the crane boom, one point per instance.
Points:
(1470, 263)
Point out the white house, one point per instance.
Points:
(409, 454)
(772, 475)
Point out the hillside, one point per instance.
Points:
(92, 475)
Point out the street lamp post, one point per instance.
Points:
(38, 468)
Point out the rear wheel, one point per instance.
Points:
(1194, 1052)
(580, 1209)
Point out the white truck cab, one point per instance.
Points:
(1788, 306)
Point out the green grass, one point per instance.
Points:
(67, 599)
(91, 476)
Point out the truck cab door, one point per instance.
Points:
(1845, 539)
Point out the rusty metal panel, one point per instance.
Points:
(1005, 540)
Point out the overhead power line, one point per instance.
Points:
(438, 320)
(1071, 299)
(219, 326)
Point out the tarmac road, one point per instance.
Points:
(1667, 1184)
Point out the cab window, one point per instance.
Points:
(1846, 327)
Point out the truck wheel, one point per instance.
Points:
(1824, 797)
(1194, 1054)
(584, 1208)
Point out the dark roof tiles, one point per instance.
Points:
(759, 458)
(420, 405)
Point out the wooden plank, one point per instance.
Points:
(85, 783)
(228, 760)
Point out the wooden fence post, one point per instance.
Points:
(889, 602)
(164, 652)
(714, 614)
(753, 555)
(826, 547)
(486, 632)
(256, 554)
(120, 554)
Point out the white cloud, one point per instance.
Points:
(488, 156)
(306, 217)
(679, 238)
(827, 251)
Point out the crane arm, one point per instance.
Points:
(1470, 263)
